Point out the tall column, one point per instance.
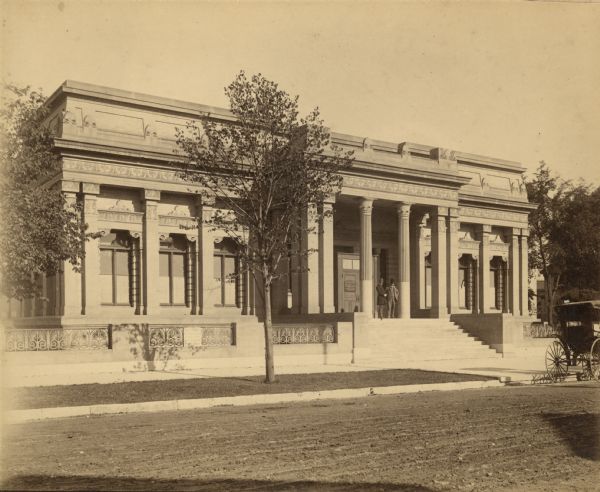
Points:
(279, 289)
(524, 273)
(403, 211)
(366, 257)
(91, 262)
(71, 280)
(514, 276)
(326, 280)
(485, 302)
(151, 249)
(206, 252)
(310, 261)
(421, 253)
(452, 248)
(438, 259)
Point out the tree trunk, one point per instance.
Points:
(269, 364)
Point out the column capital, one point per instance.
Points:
(329, 199)
(439, 212)
(403, 208)
(453, 213)
(90, 188)
(151, 195)
(70, 186)
(525, 232)
(366, 206)
(515, 232)
(486, 229)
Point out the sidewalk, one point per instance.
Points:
(518, 369)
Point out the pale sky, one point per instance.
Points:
(514, 80)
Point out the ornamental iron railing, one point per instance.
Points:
(166, 336)
(218, 335)
(537, 329)
(49, 339)
(304, 333)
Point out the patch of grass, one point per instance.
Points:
(181, 389)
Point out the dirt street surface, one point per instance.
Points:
(534, 438)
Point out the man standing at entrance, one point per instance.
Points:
(381, 298)
(392, 298)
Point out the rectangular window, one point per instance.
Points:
(172, 277)
(163, 279)
(226, 280)
(462, 288)
(121, 259)
(178, 276)
(114, 276)
(427, 286)
(230, 278)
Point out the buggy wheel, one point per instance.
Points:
(595, 360)
(557, 361)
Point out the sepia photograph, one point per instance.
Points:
(327, 245)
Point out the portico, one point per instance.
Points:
(450, 228)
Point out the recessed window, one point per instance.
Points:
(428, 280)
(115, 269)
(172, 271)
(226, 274)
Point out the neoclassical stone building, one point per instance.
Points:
(449, 227)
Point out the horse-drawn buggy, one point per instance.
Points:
(577, 341)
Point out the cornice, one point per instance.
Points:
(195, 110)
(137, 99)
(476, 201)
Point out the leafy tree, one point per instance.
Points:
(545, 255)
(264, 170)
(39, 232)
(565, 237)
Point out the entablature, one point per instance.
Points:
(104, 124)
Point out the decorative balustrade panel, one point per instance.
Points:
(218, 335)
(166, 336)
(211, 335)
(538, 330)
(45, 339)
(304, 333)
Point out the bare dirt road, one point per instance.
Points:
(531, 438)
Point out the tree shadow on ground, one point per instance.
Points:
(58, 482)
(580, 431)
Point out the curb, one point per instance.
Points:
(21, 416)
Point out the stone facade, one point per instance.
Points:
(449, 227)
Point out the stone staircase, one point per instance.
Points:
(424, 339)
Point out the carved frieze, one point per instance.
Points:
(121, 216)
(396, 187)
(176, 221)
(120, 171)
(484, 213)
(468, 246)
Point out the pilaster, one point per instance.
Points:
(279, 289)
(206, 250)
(72, 281)
(91, 262)
(366, 257)
(514, 275)
(524, 272)
(310, 261)
(403, 211)
(485, 302)
(439, 268)
(326, 280)
(452, 248)
(151, 252)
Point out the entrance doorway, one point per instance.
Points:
(348, 282)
